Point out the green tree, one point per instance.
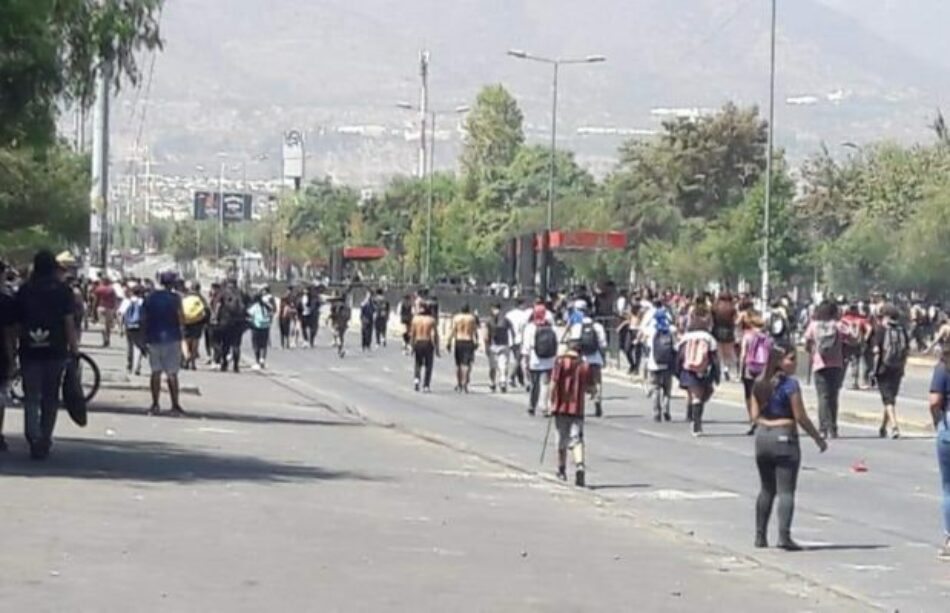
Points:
(50, 51)
(493, 134)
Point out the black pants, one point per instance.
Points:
(828, 388)
(232, 335)
(540, 383)
(517, 373)
(284, 325)
(366, 333)
(310, 325)
(778, 457)
(425, 358)
(381, 324)
(260, 338)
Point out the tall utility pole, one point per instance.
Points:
(99, 193)
(767, 222)
(148, 185)
(556, 63)
(423, 111)
(220, 224)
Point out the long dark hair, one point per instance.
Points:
(765, 385)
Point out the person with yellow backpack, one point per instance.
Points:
(196, 315)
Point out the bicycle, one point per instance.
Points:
(89, 374)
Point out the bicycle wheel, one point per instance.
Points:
(90, 376)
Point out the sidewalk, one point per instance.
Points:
(268, 500)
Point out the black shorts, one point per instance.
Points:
(194, 331)
(724, 334)
(464, 353)
(889, 384)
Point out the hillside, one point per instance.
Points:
(235, 73)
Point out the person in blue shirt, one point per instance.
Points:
(164, 323)
(939, 405)
(778, 411)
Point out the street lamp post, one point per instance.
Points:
(767, 229)
(433, 114)
(556, 64)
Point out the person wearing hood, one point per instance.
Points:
(891, 344)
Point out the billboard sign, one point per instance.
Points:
(293, 156)
(237, 207)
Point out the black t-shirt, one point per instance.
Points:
(7, 319)
(41, 307)
(499, 330)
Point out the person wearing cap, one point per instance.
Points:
(590, 339)
(43, 312)
(163, 319)
(570, 381)
(536, 348)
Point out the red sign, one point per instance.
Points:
(585, 240)
(364, 254)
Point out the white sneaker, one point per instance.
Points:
(256, 367)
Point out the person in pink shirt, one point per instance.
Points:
(825, 339)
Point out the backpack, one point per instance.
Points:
(588, 341)
(826, 339)
(232, 306)
(133, 316)
(696, 356)
(664, 353)
(896, 348)
(855, 338)
(260, 316)
(194, 309)
(545, 342)
(757, 355)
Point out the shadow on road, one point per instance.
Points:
(843, 547)
(226, 417)
(620, 486)
(157, 462)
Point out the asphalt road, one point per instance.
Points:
(871, 535)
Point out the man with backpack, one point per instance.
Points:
(658, 335)
(754, 351)
(499, 339)
(232, 320)
(590, 338)
(539, 348)
(859, 334)
(779, 326)
(891, 343)
(131, 313)
(570, 383)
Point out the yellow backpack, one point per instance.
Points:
(194, 309)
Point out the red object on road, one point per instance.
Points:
(364, 254)
(859, 466)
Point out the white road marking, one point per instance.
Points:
(675, 495)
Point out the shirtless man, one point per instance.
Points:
(465, 336)
(424, 339)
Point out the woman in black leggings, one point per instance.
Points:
(778, 411)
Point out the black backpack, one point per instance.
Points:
(232, 306)
(896, 348)
(664, 353)
(589, 343)
(545, 342)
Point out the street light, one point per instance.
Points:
(767, 230)
(556, 63)
(433, 114)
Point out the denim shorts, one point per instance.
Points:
(165, 357)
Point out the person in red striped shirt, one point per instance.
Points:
(570, 383)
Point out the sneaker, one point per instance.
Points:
(667, 416)
(882, 432)
(657, 418)
(178, 412)
(834, 433)
(598, 409)
(256, 367)
(491, 388)
(896, 434)
(531, 412)
(697, 429)
(154, 410)
(427, 390)
(761, 542)
(562, 474)
(415, 385)
(579, 480)
(504, 389)
(751, 430)
(39, 450)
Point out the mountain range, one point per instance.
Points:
(235, 74)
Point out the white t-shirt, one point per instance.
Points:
(519, 319)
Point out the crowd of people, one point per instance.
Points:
(554, 349)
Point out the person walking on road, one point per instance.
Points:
(44, 312)
(163, 320)
(825, 338)
(571, 380)
(499, 339)
(779, 411)
(724, 315)
(464, 336)
(197, 314)
(381, 312)
(518, 317)
(891, 345)
(339, 321)
(939, 406)
(261, 316)
(106, 302)
(659, 335)
(309, 312)
(590, 339)
(367, 322)
(405, 318)
(136, 347)
(698, 359)
(286, 318)
(232, 319)
(424, 338)
(755, 348)
(540, 351)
